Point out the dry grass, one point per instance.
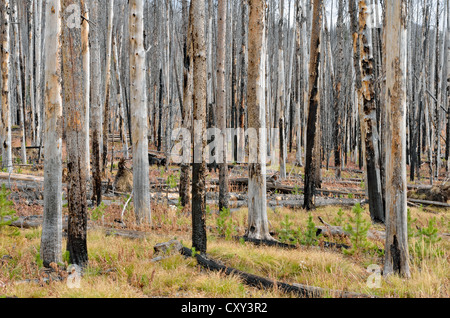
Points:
(121, 267)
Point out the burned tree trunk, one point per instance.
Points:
(197, 19)
(397, 254)
(96, 108)
(51, 240)
(258, 225)
(370, 121)
(222, 107)
(185, 179)
(312, 163)
(74, 124)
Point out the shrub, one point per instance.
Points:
(310, 237)
(357, 228)
(287, 234)
(7, 214)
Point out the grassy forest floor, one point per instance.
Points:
(122, 260)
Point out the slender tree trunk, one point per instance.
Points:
(75, 124)
(96, 108)
(397, 255)
(138, 109)
(337, 132)
(87, 80)
(18, 75)
(258, 224)
(281, 93)
(437, 121)
(447, 78)
(312, 157)
(299, 86)
(358, 83)
(106, 109)
(30, 71)
(51, 239)
(6, 93)
(38, 79)
(244, 75)
(121, 101)
(167, 73)
(369, 108)
(197, 19)
(185, 179)
(221, 105)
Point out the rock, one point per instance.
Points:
(173, 246)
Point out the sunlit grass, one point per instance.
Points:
(122, 267)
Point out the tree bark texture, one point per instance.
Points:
(73, 88)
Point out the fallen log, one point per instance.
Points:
(21, 177)
(264, 283)
(271, 243)
(418, 206)
(24, 222)
(125, 233)
(431, 203)
(349, 170)
(329, 230)
(278, 244)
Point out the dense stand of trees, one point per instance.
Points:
(339, 82)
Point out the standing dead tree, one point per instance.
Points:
(258, 225)
(73, 88)
(312, 164)
(397, 254)
(138, 110)
(51, 239)
(369, 117)
(197, 20)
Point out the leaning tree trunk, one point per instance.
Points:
(397, 255)
(138, 109)
(6, 93)
(75, 124)
(370, 120)
(222, 105)
(312, 163)
(258, 224)
(51, 239)
(197, 19)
